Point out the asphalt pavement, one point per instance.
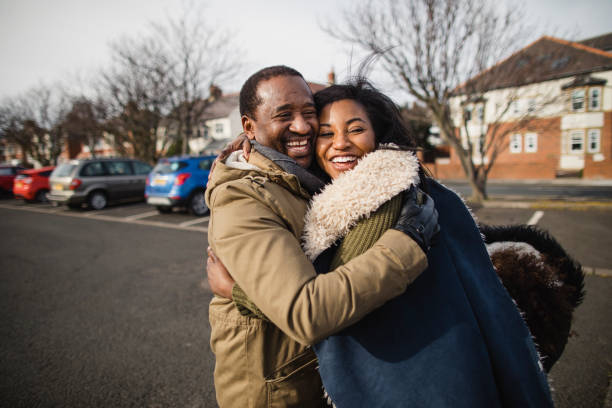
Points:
(109, 308)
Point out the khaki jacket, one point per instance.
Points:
(256, 221)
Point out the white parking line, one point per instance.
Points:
(102, 217)
(194, 222)
(143, 215)
(535, 218)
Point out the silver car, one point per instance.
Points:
(96, 182)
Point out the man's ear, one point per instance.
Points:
(248, 125)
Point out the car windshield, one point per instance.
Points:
(166, 167)
(6, 171)
(64, 170)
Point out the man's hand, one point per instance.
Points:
(418, 218)
(240, 142)
(219, 279)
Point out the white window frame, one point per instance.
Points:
(574, 93)
(594, 135)
(578, 134)
(598, 99)
(516, 143)
(531, 142)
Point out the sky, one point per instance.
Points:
(61, 40)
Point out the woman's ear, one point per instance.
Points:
(248, 125)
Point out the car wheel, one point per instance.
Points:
(197, 204)
(41, 196)
(97, 200)
(164, 210)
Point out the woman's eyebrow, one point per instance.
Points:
(348, 122)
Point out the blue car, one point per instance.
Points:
(179, 182)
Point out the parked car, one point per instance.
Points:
(179, 182)
(7, 177)
(96, 182)
(33, 185)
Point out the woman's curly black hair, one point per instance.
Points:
(387, 121)
(389, 126)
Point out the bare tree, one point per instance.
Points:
(429, 48)
(47, 107)
(12, 129)
(165, 73)
(202, 57)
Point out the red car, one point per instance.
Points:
(7, 176)
(33, 185)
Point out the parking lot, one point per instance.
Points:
(109, 308)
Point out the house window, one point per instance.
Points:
(467, 114)
(480, 112)
(594, 141)
(595, 99)
(531, 106)
(515, 107)
(515, 143)
(531, 142)
(578, 100)
(577, 141)
(219, 128)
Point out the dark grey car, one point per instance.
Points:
(96, 182)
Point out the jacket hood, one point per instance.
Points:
(355, 194)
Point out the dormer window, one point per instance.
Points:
(578, 100)
(595, 99)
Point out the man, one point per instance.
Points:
(257, 209)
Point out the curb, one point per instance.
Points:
(545, 204)
(602, 272)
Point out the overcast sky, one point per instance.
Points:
(47, 41)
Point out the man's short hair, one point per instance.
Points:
(249, 101)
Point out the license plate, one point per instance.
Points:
(19, 184)
(158, 181)
(58, 187)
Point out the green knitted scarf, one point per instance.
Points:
(358, 240)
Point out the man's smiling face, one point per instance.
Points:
(285, 119)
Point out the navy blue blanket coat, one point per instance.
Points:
(454, 339)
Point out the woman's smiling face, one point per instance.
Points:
(345, 135)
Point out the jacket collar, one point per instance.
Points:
(355, 194)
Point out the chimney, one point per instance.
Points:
(215, 93)
(331, 77)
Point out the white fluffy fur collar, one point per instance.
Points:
(378, 177)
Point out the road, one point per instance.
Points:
(109, 308)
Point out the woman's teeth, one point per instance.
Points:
(297, 143)
(343, 159)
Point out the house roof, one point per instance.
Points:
(221, 107)
(543, 60)
(603, 42)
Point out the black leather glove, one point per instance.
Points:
(418, 218)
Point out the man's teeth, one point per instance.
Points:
(343, 159)
(297, 143)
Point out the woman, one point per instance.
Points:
(454, 338)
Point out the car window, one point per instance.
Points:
(167, 166)
(95, 169)
(205, 164)
(119, 168)
(141, 168)
(6, 172)
(45, 173)
(64, 170)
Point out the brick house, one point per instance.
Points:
(548, 108)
